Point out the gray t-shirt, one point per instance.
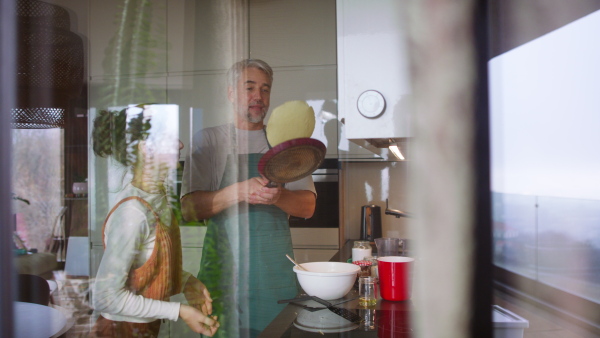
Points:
(205, 161)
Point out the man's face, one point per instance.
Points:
(251, 96)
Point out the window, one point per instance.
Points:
(545, 161)
(38, 184)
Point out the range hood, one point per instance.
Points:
(374, 94)
(382, 147)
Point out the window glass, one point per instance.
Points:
(545, 160)
(37, 187)
(169, 61)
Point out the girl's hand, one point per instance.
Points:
(197, 295)
(197, 321)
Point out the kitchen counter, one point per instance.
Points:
(389, 319)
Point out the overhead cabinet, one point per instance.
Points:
(374, 95)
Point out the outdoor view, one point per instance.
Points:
(545, 158)
(37, 193)
(553, 240)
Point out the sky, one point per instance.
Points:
(545, 114)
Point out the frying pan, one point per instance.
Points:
(291, 160)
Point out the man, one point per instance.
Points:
(243, 261)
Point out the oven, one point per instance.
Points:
(326, 215)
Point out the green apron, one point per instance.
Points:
(243, 260)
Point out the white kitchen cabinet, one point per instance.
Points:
(192, 236)
(202, 100)
(291, 33)
(192, 240)
(314, 244)
(374, 94)
(313, 255)
(317, 87)
(120, 45)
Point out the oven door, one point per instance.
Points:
(327, 208)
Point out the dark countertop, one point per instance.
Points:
(389, 319)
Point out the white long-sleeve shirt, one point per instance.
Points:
(129, 238)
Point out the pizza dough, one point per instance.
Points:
(293, 119)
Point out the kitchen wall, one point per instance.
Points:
(365, 183)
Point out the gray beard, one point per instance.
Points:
(255, 119)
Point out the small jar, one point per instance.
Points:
(361, 250)
(373, 260)
(367, 291)
(365, 268)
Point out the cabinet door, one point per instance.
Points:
(128, 37)
(315, 244)
(318, 88)
(192, 236)
(372, 57)
(313, 255)
(191, 260)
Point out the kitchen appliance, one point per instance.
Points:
(370, 227)
(326, 213)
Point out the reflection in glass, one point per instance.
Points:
(141, 267)
(37, 184)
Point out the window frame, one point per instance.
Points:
(7, 95)
(576, 310)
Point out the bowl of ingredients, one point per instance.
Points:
(327, 280)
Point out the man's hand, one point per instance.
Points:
(197, 321)
(197, 295)
(247, 189)
(265, 195)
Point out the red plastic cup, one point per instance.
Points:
(394, 277)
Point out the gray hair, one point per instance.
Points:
(234, 73)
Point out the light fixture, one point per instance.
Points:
(396, 151)
(49, 67)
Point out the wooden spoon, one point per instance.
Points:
(293, 261)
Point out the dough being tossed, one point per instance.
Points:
(293, 119)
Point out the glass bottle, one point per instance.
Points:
(361, 250)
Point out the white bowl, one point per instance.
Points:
(327, 280)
